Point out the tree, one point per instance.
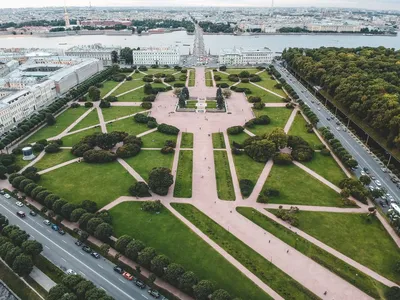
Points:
(58, 204)
(182, 100)
(203, 290)
(67, 209)
(84, 219)
(71, 281)
(83, 287)
(146, 255)
(160, 179)
(279, 137)
(261, 150)
(226, 93)
(122, 243)
(12, 254)
(104, 249)
(159, 263)
(94, 93)
(392, 293)
(3, 222)
(50, 120)
(57, 292)
(139, 189)
(283, 159)
(151, 279)
(173, 273)
(221, 295)
(126, 54)
(89, 205)
(133, 248)
(92, 224)
(52, 148)
(365, 179)
(148, 89)
(185, 92)
(220, 102)
(22, 265)
(77, 214)
(187, 281)
(32, 247)
(4, 248)
(114, 57)
(103, 231)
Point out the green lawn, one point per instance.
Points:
(127, 125)
(102, 183)
(169, 236)
(363, 239)
(224, 78)
(218, 140)
(211, 104)
(278, 115)
(298, 187)
(327, 167)
(156, 139)
(91, 119)
(22, 163)
(238, 138)
(127, 86)
(269, 84)
(298, 128)
(191, 104)
(183, 184)
(192, 77)
(354, 276)
(53, 159)
(62, 122)
(160, 70)
(187, 140)
(108, 86)
(147, 160)
(265, 96)
(237, 71)
(72, 139)
(247, 168)
(135, 96)
(209, 81)
(223, 176)
(266, 271)
(115, 112)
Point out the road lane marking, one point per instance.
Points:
(64, 241)
(144, 296)
(121, 280)
(63, 259)
(81, 253)
(100, 266)
(69, 254)
(46, 247)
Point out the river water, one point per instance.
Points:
(212, 42)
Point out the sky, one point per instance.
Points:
(368, 4)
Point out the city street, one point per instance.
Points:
(349, 141)
(61, 250)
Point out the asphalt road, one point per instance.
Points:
(61, 250)
(349, 141)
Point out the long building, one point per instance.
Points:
(37, 83)
(156, 56)
(96, 51)
(242, 56)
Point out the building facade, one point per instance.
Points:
(96, 51)
(156, 56)
(242, 56)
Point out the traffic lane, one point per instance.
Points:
(360, 153)
(91, 268)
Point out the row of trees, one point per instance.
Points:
(161, 23)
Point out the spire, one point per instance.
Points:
(66, 15)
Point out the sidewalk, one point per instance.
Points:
(42, 279)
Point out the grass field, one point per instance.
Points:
(183, 184)
(187, 140)
(218, 140)
(169, 236)
(127, 125)
(363, 239)
(156, 139)
(327, 167)
(298, 187)
(160, 70)
(53, 159)
(298, 128)
(278, 115)
(211, 104)
(127, 86)
(191, 104)
(354, 276)
(266, 271)
(62, 122)
(22, 163)
(146, 160)
(247, 168)
(269, 84)
(72, 139)
(265, 96)
(209, 81)
(237, 71)
(238, 138)
(192, 77)
(223, 176)
(102, 183)
(115, 112)
(91, 119)
(135, 96)
(108, 86)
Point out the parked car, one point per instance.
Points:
(78, 243)
(32, 213)
(47, 222)
(127, 276)
(118, 269)
(140, 284)
(21, 214)
(378, 183)
(54, 227)
(7, 196)
(87, 249)
(71, 272)
(95, 255)
(371, 188)
(154, 293)
(2, 192)
(60, 231)
(19, 204)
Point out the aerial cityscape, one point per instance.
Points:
(230, 150)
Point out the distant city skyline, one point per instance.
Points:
(364, 4)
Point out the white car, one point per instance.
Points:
(19, 204)
(378, 183)
(47, 222)
(7, 196)
(338, 128)
(71, 272)
(363, 173)
(371, 188)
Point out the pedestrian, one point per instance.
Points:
(269, 241)
(325, 293)
(287, 251)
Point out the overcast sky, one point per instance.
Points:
(370, 4)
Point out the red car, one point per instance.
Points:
(127, 276)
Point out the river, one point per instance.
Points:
(212, 42)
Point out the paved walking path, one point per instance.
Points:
(235, 179)
(130, 91)
(118, 85)
(42, 279)
(75, 123)
(267, 90)
(131, 171)
(59, 166)
(126, 104)
(101, 119)
(290, 121)
(212, 78)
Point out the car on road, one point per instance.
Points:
(60, 231)
(54, 227)
(71, 272)
(87, 249)
(384, 170)
(127, 276)
(363, 173)
(154, 293)
(371, 188)
(95, 255)
(2, 192)
(19, 204)
(373, 177)
(328, 118)
(140, 284)
(338, 128)
(21, 214)
(78, 243)
(119, 270)
(382, 203)
(7, 196)
(378, 183)
(33, 213)
(47, 222)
